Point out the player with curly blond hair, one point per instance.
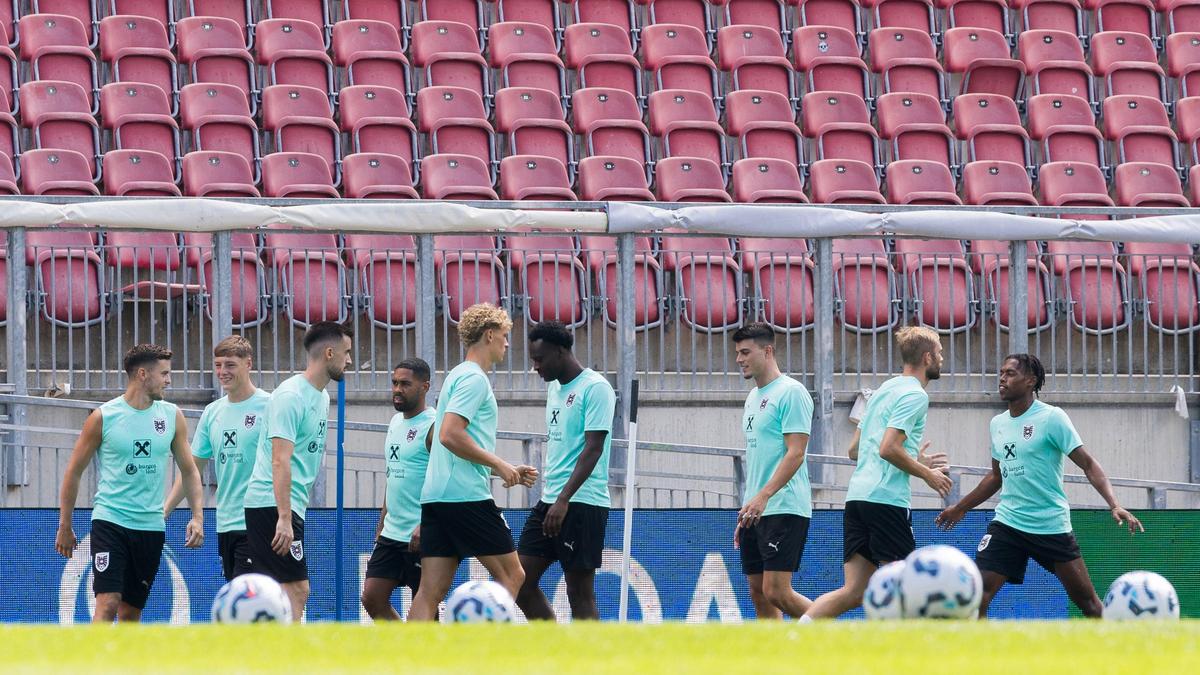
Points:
(459, 518)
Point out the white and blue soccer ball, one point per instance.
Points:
(481, 601)
(882, 597)
(1141, 596)
(940, 582)
(252, 598)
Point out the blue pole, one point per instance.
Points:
(341, 460)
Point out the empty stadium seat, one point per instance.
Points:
(56, 48)
(1054, 63)
(10, 143)
(1140, 130)
(1058, 15)
(987, 14)
(610, 124)
(1066, 128)
(602, 56)
(1187, 122)
(764, 125)
(1166, 276)
(297, 175)
(456, 177)
(991, 126)
(9, 13)
(919, 181)
(139, 173)
(601, 257)
(316, 12)
(217, 118)
(372, 53)
(1128, 62)
(377, 175)
(391, 12)
(755, 58)
(138, 115)
(690, 179)
(58, 113)
(454, 121)
(844, 181)
(840, 128)
(534, 177)
(449, 55)
(208, 173)
(1148, 184)
(864, 282)
(309, 274)
(532, 119)
(997, 182)
(298, 120)
(1138, 16)
(1181, 16)
(212, 49)
(781, 274)
(385, 272)
(708, 280)
(8, 177)
(10, 79)
(915, 124)
(1183, 63)
(86, 12)
(620, 13)
(612, 178)
(541, 12)
(145, 266)
(248, 291)
(525, 55)
(293, 53)
(990, 260)
(676, 56)
(844, 14)
(237, 11)
(829, 59)
(914, 14)
(692, 13)
(768, 181)
(982, 58)
(768, 13)
(467, 12)
(377, 120)
(137, 49)
(906, 60)
(686, 124)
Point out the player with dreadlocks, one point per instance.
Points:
(1033, 517)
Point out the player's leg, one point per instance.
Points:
(110, 559)
(391, 565)
(752, 567)
(1078, 583)
(777, 586)
(580, 549)
(377, 599)
(506, 570)
(581, 594)
(107, 605)
(530, 598)
(781, 540)
(1002, 557)
(763, 608)
(992, 583)
(127, 613)
(858, 571)
(437, 573)
(297, 592)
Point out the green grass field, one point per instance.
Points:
(1026, 648)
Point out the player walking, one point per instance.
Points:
(459, 518)
(396, 558)
(288, 459)
(772, 526)
(132, 435)
(228, 431)
(1033, 518)
(877, 523)
(567, 525)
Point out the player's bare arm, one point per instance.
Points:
(281, 484)
(189, 476)
(987, 487)
(456, 439)
(1099, 480)
(852, 451)
(891, 450)
(81, 456)
(175, 495)
(593, 449)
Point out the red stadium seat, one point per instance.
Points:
(1167, 277)
(309, 273)
(56, 172)
(532, 118)
(298, 120)
(58, 113)
(541, 12)
(844, 14)
(686, 124)
(690, 179)
(139, 173)
(525, 55)
(601, 256)
(840, 128)
(610, 124)
(828, 59)
(238, 11)
(767, 13)
(708, 281)
(297, 175)
(602, 57)
(449, 55)
(392, 12)
(767, 181)
(9, 79)
(456, 177)
(755, 58)
(469, 269)
(467, 12)
(907, 61)
(56, 47)
(781, 273)
(676, 56)
(844, 181)
(981, 56)
(86, 12)
(1181, 16)
(533, 177)
(1148, 184)
(1059, 15)
(139, 117)
(764, 124)
(1054, 63)
(914, 14)
(1138, 16)
(612, 178)
(377, 175)
(377, 120)
(248, 292)
(293, 52)
(918, 181)
(217, 174)
(991, 126)
(620, 13)
(136, 49)
(1066, 128)
(385, 271)
(10, 143)
(372, 53)
(316, 12)
(454, 121)
(1183, 63)
(1187, 121)
(146, 266)
(692, 13)
(9, 13)
(864, 282)
(1128, 62)
(916, 126)
(987, 14)
(1140, 130)
(217, 117)
(212, 49)
(997, 182)
(990, 259)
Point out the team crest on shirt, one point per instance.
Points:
(160, 425)
(412, 434)
(570, 400)
(101, 561)
(762, 405)
(249, 421)
(1027, 432)
(297, 549)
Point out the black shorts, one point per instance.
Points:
(260, 530)
(235, 554)
(774, 544)
(125, 561)
(881, 533)
(579, 545)
(391, 559)
(1006, 550)
(464, 530)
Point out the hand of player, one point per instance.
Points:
(414, 542)
(281, 543)
(939, 481)
(552, 523)
(528, 475)
(64, 541)
(752, 511)
(195, 533)
(737, 531)
(508, 474)
(936, 461)
(1124, 517)
(950, 517)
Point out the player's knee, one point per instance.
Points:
(777, 593)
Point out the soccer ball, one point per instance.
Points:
(1141, 595)
(251, 598)
(480, 601)
(882, 599)
(940, 582)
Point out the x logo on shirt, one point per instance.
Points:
(750, 423)
(554, 416)
(141, 448)
(230, 439)
(393, 452)
(1008, 451)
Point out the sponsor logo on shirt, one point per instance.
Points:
(250, 420)
(1009, 451)
(750, 423)
(1027, 432)
(131, 468)
(394, 451)
(141, 448)
(160, 425)
(229, 438)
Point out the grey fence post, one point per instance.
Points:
(222, 294)
(823, 439)
(1018, 297)
(1158, 498)
(426, 302)
(13, 468)
(626, 350)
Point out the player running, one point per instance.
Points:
(288, 459)
(567, 525)
(772, 526)
(1033, 518)
(228, 430)
(877, 523)
(132, 435)
(459, 518)
(396, 558)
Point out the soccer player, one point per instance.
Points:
(1033, 518)
(877, 524)
(459, 518)
(567, 525)
(288, 459)
(229, 429)
(772, 526)
(132, 435)
(396, 559)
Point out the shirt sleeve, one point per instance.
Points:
(908, 410)
(1063, 433)
(469, 394)
(285, 413)
(796, 411)
(600, 405)
(201, 445)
